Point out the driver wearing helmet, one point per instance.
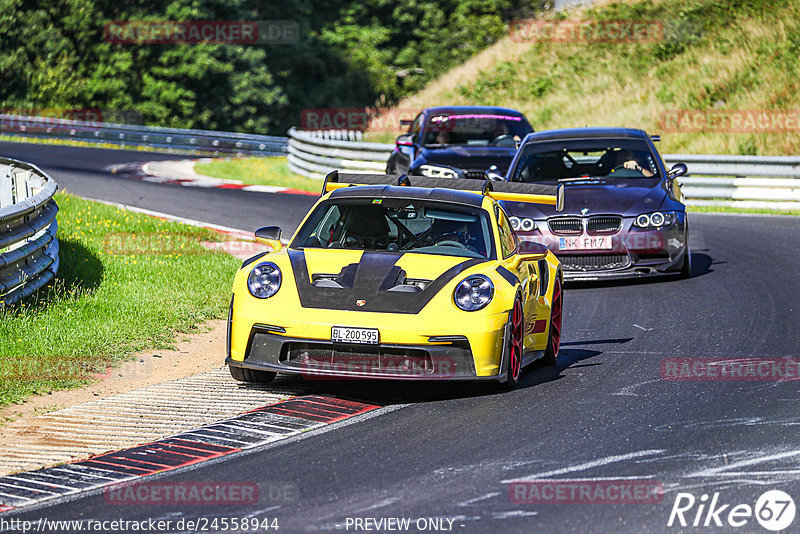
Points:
(461, 232)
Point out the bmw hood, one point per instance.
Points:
(465, 157)
(390, 282)
(599, 196)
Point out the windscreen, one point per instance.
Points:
(580, 158)
(475, 129)
(398, 225)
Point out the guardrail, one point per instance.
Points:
(315, 154)
(149, 136)
(716, 180)
(745, 181)
(28, 244)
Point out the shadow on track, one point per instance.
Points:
(387, 392)
(701, 265)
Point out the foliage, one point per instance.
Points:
(53, 54)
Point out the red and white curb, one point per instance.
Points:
(246, 431)
(181, 172)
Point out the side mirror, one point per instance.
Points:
(405, 140)
(493, 174)
(534, 251)
(679, 169)
(270, 236)
(406, 122)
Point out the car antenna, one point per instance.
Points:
(487, 187)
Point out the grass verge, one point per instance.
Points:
(127, 282)
(733, 209)
(258, 171)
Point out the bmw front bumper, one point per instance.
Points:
(634, 252)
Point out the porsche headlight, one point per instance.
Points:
(474, 293)
(264, 280)
(434, 171)
(655, 220)
(523, 224)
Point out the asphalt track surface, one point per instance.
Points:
(602, 413)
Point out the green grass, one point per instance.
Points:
(716, 55)
(733, 209)
(127, 282)
(258, 171)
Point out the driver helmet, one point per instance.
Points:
(444, 230)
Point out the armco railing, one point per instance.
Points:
(149, 136)
(315, 154)
(749, 181)
(28, 244)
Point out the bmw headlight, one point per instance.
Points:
(523, 224)
(264, 280)
(434, 171)
(655, 220)
(474, 293)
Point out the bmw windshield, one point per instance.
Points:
(566, 160)
(474, 129)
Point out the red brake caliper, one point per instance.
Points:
(555, 322)
(516, 339)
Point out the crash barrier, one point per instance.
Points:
(150, 136)
(748, 181)
(315, 154)
(744, 181)
(28, 244)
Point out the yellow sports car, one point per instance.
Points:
(393, 280)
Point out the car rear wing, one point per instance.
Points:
(506, 191)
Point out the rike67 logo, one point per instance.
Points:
(774, 510)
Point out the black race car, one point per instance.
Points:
(459, 141)
(625, 216)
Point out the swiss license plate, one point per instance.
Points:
(346, 334)
(585, 242)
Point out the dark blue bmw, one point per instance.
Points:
(624, 214)
(459, 141)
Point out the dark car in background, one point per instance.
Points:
(624, 214)
(459, 141)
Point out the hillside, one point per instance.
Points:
(141, 61)
(715, 61)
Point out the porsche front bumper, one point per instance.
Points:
(444, 358)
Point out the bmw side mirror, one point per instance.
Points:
(493, 174)
(679, 169)
(405, 140)
(270, 236)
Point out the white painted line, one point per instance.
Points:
(174, 218)
(726, 469)
(586, 465)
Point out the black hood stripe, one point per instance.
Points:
(375, 273)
